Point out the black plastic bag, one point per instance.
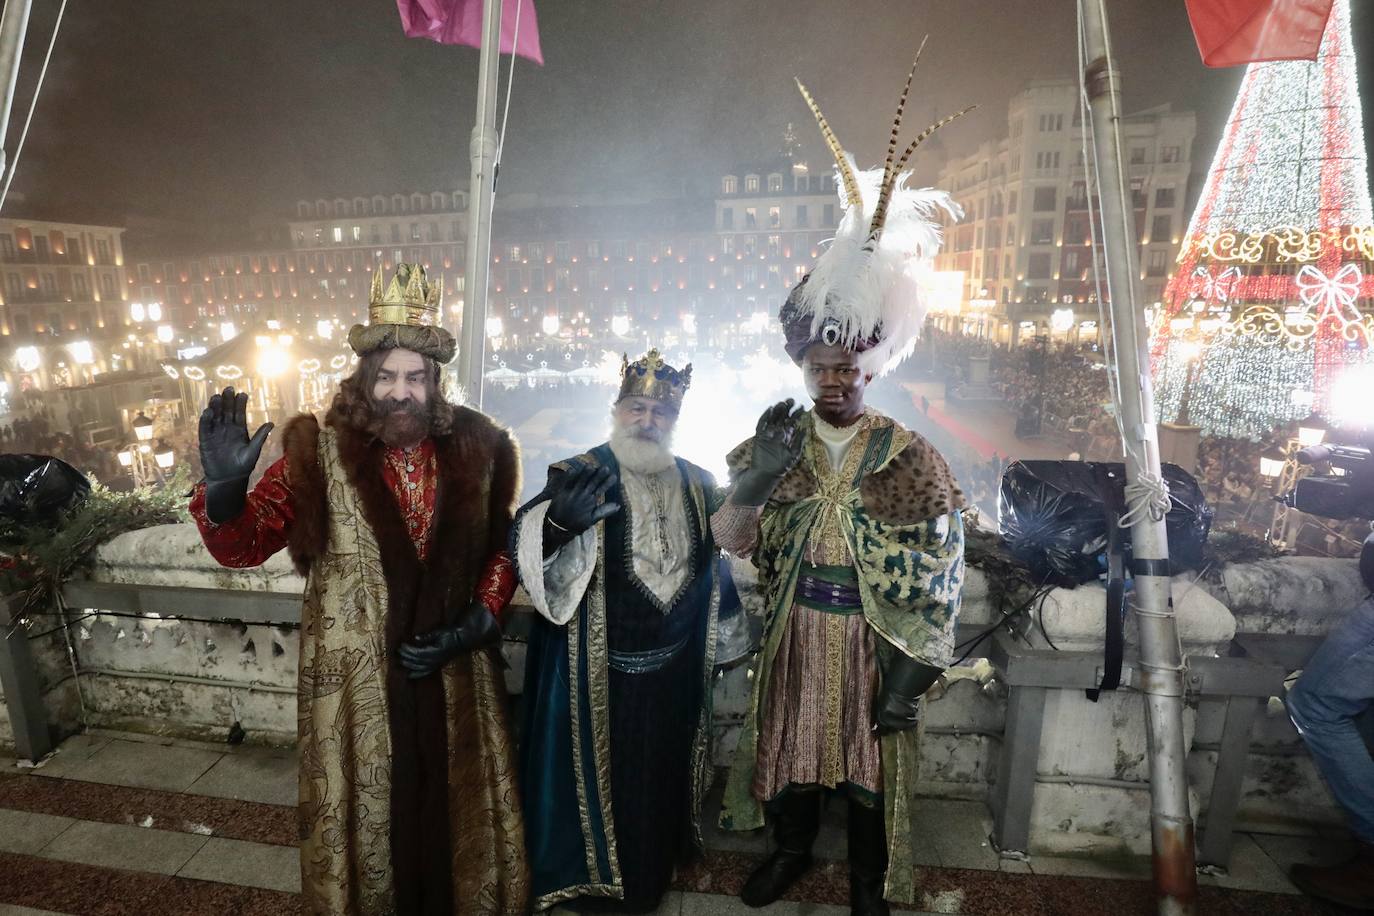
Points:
(35, 489)
(1050, 515)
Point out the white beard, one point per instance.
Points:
(641, 455)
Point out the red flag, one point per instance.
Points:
(1231, 32)
(459, 22)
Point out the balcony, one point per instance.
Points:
(171, 652)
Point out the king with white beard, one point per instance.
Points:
(618, 557)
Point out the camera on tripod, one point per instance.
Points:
(1343, 486)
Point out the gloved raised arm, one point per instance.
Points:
(777, 449)
(227, 454)
(577, 505)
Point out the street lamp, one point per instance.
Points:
(1311, 431)
(163, 455)
(1271, 463)
(143, 427)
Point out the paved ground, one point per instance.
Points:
(118, 824)
(983, 428)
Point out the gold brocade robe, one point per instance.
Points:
(345, 744)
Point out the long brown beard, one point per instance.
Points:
(401, 424)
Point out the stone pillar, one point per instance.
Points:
(977, 370)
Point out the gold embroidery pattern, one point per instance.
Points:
(837, 492)
(345, 771)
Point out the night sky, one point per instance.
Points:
(223, 110)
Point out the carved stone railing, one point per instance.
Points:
(163, 639)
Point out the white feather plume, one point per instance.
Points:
(869, 285)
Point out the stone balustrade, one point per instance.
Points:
(172, 672)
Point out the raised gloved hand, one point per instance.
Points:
(577, 505)
(427, 653)
(896, 706)
(227, 454)
(777, 449)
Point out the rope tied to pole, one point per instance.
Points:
(1147, 495)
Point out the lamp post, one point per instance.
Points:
(163, 457)
(147, 464)
(1312, 431)
(143, 427)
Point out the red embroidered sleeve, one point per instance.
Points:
(497, 584)
(259, 531)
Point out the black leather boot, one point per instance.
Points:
(797, 822)
(867, 860)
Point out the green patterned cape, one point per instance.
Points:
(911, 571)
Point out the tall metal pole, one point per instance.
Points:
(1160, 670)
(14, 23)
(481, 184)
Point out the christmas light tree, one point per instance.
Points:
(1269, 304)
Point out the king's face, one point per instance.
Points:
(401, 377)
(647, 418)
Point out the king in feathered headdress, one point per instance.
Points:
(865, 292)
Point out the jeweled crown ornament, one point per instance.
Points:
(409, 299)
(651, 377)
(404, 315)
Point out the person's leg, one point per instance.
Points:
(1335, 689)
(1333, 695)
(867, 857)
(797, 821)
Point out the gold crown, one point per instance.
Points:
(651, 377)
(409, 299)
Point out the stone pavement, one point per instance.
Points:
(117, 824)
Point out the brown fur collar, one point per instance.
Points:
(476, 444)
(309, 534)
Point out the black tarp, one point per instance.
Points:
(35, 489)
(1050, 515)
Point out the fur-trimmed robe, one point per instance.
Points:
(408, 796)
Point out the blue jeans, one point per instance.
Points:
(1332, 705)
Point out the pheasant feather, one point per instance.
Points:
(880, 212)
(851, 187)
(888, 164)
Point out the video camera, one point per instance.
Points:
(1345, 489)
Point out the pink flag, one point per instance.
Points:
(459, 22)
(1231, 32)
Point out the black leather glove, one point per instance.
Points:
(427, 653)
(777, 449)
(904, 681)
(227, 455)
(577, 505)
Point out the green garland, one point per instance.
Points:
(39, 558)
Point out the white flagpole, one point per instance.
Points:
(1160, 675)
(14, 23)
(481, 184)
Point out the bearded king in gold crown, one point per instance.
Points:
(398, 512)
(618, 558)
